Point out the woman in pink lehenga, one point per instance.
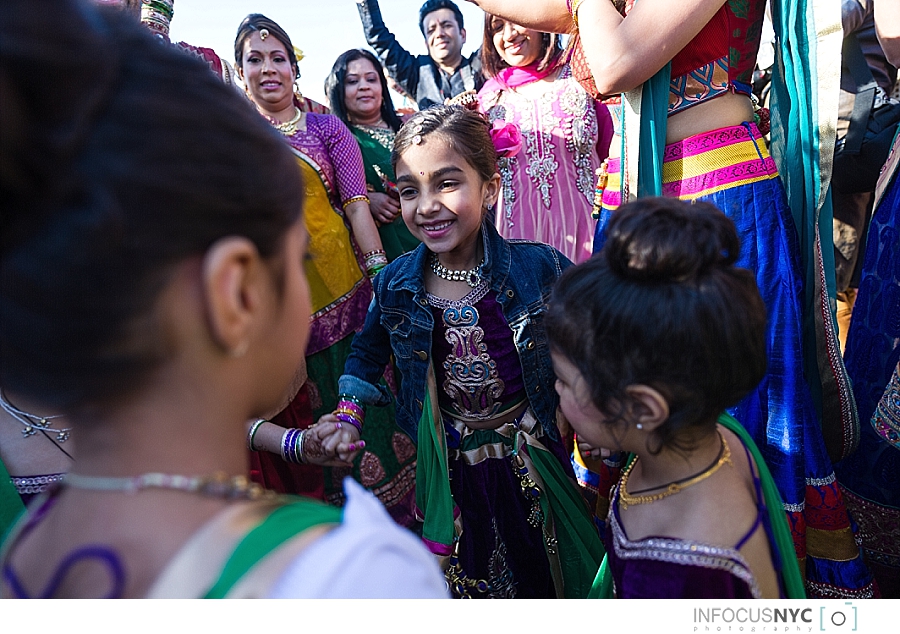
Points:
(548, 188)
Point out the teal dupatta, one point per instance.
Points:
(805, 84)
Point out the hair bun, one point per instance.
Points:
(664, 240)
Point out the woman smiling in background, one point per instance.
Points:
(358, 92)
(548, 188)
(338, 219)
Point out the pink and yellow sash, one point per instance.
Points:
(704, 164)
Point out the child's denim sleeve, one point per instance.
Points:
(371, 352)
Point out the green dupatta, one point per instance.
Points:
(281, 525)
(791, 580)
(11, 506)
(579, 548)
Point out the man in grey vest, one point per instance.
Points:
(433, 78)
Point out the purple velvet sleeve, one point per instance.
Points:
(345, 156)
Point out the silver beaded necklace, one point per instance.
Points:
(472, 276)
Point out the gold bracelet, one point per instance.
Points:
(355, 199)
(576, 4)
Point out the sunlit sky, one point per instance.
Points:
(322, 29)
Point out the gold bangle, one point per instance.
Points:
(576, 4)
(354, 199)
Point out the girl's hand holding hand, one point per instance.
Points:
(331, 443)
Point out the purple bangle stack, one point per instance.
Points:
(292, 446)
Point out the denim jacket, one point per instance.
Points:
(399, 321)
(418, 75)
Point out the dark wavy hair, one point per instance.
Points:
(492, 63)
(465, 130)
(431, 6)
(334, 87)
(254, 23)
(663, 305)
(148, 161)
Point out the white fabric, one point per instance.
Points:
(367, 557)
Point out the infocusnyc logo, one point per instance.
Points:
(843, 618)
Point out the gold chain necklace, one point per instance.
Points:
(672, 488)
(288, 128)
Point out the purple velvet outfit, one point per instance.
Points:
(661, 567)
(479, 378)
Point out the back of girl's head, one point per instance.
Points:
(464, 130)
(663, 305)
(254, 23)
(334, 87)
(122, 157)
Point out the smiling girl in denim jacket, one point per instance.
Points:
(463, 316)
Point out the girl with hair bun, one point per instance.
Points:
(463, 316)
(651, 341)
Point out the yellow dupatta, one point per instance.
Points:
(333, 270)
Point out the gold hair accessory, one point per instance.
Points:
(263, 34)
(633, 499)
(467, 99)
(32, 422)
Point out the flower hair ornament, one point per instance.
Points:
(417, 132)
(507, 138)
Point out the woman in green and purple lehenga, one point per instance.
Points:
(358, 92)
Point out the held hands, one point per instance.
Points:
(328, 443)
(332, 443)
